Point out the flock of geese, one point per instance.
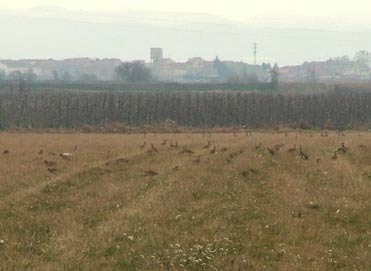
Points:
(274, 150)
(151, 149)
(51, 165)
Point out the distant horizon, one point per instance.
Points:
(147, 61)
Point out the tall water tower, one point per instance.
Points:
(156, 55)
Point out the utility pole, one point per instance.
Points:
(255, 51)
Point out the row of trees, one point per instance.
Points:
(186, 109)
(65, 76)
(130, 72)
(226, 74)
(133, 72)
(28, 75)
(138, 72)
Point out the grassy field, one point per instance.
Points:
(117, 205)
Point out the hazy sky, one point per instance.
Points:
(340, 27)
(238, 9)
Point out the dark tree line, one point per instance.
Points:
(187, 109)
(133, 72)
(121, 86)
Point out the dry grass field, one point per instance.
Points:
(251, 203)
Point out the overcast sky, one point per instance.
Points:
(238, 9)
(294, 30)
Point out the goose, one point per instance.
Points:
(150, 173)
(303, 155)
(207, 145)
(65, 156)
(292, 149)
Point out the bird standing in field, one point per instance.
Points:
(50, 163)
(66, 156)
(259, 146)
(343, 149)
(335, 156)
(143, 145)
(197, 160)
(271, 151)
(150, 173)
(153, 148)
(293, 149)
(186, 150)
(303, 155)
(174, 146)
(52, 170)
(207, 145)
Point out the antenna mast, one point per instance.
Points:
(255, 51)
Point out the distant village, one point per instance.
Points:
(195, 70)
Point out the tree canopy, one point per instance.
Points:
(133, 72)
